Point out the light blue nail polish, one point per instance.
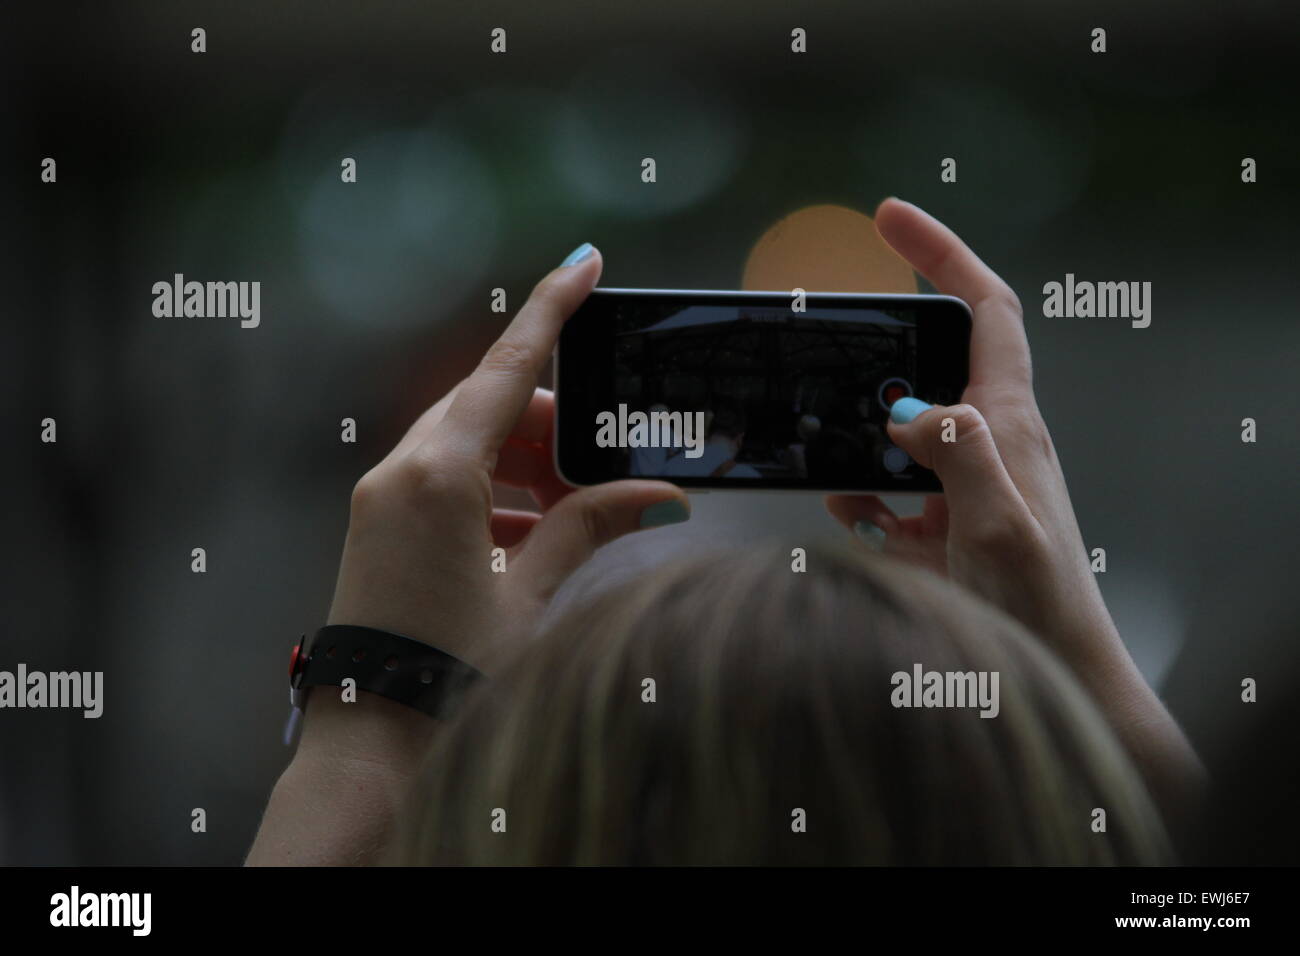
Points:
(661, 513)
(577, 255)
(871, 535)
(905, 409)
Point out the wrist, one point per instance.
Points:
(370, 732)
(347, 782)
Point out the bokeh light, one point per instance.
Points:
(826, 248)
(421, 232)
(631, 104)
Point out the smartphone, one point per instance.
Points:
(752, 390)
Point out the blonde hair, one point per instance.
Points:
(772, 694)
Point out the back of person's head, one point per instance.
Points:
(731, 710)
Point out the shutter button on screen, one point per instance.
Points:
(891, 390)
(896, 459)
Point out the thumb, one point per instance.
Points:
(955, 442)
(582, 521)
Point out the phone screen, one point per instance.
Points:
(752, 389)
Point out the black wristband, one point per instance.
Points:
(396, 667)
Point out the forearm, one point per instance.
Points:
(1093, 649)
(1173, 772)
(337, 802)
(1091, 644)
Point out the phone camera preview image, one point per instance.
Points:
(738, 390)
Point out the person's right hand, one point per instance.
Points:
(1004, 526)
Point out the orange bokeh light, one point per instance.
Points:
(826, 248)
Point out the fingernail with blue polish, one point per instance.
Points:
(905, 409)
(672, 511)
(871, 535)
(577, 255)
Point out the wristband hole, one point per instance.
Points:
(329, 652)
(390, 663)
(358, 655)
(426, 676)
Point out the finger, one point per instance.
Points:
(510, 527)
(538, 420)
(866, 516)
(934, 516)
(522, 464)
(492, 400)
(911, 528)
(880, 529)
(535, 424)
(850, 509)
(955, 442)
(571, 531)
(916, 544)
(999, 349)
